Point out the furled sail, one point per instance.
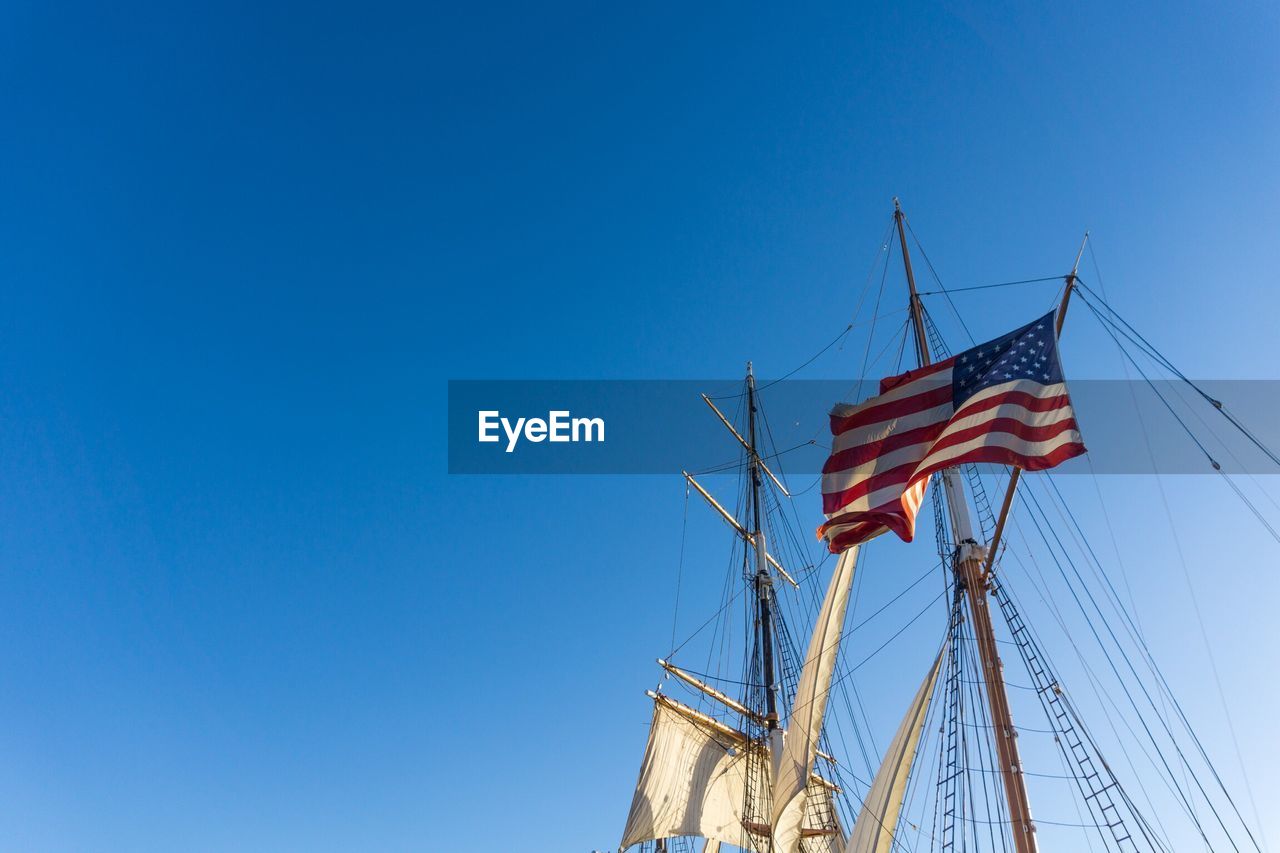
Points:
(807, 711)
(878, 817)
(693, 782)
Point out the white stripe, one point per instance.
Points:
(1029, 386)
(1016, 411)
(994, 439)
(838, 481)
(859, 436)
(908, 505)
(870, 532)
(875, 499)
(911, 500)
(1005, 440)
(916, 386)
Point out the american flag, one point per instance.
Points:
(1002, 402)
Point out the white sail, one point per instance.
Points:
(693, 783)
(692, 780)
(878, 817)
(807, 712)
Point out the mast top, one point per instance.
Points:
(917, 309)
(1076, 266)
(1071, 284)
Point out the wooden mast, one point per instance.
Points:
(970, 574)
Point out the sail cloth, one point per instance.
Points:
(1003, 402)
(807, 711)
(878, 818)
(692, 780)
(693, 783)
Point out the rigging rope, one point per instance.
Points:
(684, 530)
(1128, 331)
(1112, 320)
(946, 290)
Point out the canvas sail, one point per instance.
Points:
(692, 780)
(878, 817)
(809, 708)
(693, 783)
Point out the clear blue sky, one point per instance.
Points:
(243, 246)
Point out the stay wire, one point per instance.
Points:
(948, 290)
(938, 279)
(1169, 780)
(1160, 359)
(1104, 697)
(684, 530)
(1217, 467)
(853, 323)
(875, 315)
(1113, 319)
(1129, 663)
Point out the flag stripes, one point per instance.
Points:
(1003, 402)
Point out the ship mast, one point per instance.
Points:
(763, 582)
(970, 575)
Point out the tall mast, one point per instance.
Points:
(917, 310)
(763, 583)
(969, 560)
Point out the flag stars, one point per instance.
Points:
(1024, 356)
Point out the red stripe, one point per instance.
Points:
(851, 457)
(854, 456)
(895, 517)
(854, 517)
(1025, 399)
(1008, 413)
(833, 501)
(1006, 456)
(894, 520)
(930, 396)
(890, 382)
(1011, 426)
(855, 536)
